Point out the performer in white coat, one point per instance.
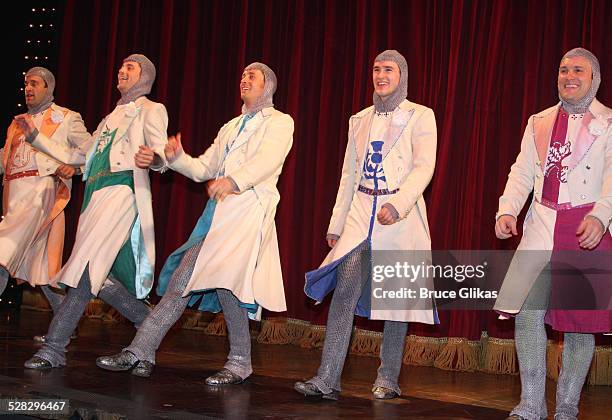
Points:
(231, 260)
(32, 231)
(115, 238)
(389, 161)
(37, 188)
(566, 162)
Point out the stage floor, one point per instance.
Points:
(177, 390)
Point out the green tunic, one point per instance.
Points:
(100, 176)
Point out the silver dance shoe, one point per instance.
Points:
(37, 363)
(224, 377)
(310, 390)
(126, 361)
(382, 393)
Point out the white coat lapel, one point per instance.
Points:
(131, 112)
(594, 124)
(249, 129)
(232, 132)
(542, 131)
(584, 141)
(362, 134)
(399, 120)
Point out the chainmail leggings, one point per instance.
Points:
(169, 309)
(117, 296)
(67, 316)
(55, 299)
(578, 352)
(352, 277)
(237, 320)
(530, 341)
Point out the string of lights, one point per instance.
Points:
(39, 49)
(40, 43)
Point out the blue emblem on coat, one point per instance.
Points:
(372, 168)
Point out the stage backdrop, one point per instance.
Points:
(483, 66)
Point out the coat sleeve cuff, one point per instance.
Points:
(500, 214)
(32, 136)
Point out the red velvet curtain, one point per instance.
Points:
(483, 66)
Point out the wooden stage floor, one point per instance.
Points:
(176, 389)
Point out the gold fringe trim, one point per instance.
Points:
(33, 299)
(297, 329)
(282, 331)
(600, 372)
(96, 309)
(422, 351)
(498, 356)
(313, 338)
(459, 354)
(193, 320)
(365, 342)
(490, 354)
(274, 331)
(112, 315)
(601, 368)
(216, 326)
(554, 351)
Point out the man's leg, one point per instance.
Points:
(116, 295)
(239, 358)
(63, 324)
(54, 298)
(140, 354)
(530, 340)
(391, 354)
(352, 276)
(578, 352)
(166, 312)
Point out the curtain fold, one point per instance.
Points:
(483, 66)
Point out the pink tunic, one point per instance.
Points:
(583, 286)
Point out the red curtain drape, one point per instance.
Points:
(483, 66)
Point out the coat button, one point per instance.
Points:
(584, 181)
(538, 175)
(588, 166)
